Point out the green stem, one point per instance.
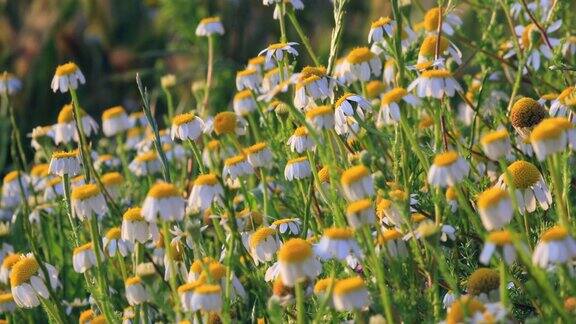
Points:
(303, 37)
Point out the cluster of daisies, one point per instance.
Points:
(384, 186)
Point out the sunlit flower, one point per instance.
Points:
(360, 213)
(9, 84)
(361, 64)
(84, 258)
(135, 292)
(237, 166)
(448, 169)
(248, 79)
(6, 268)
(390, 105)
(556, 246)
(135, 228)
(296, 4)
(186, 293)
(113, 243)
(297, 262)
(380, 28)
(273, 79)
(501, 241)
(146, 163)
(392, 242)
(496, 145)
(28, 282)
(106, 162)
(206, 190)
(321, 117)
(264, 243)
(297, 169)
(427, 52)
(525, 114)
(313, 84)
(495, 208)
(112, 182)
(277, 52)
(564, 104)
(115, 121)
(484, 284)
(15, 184)
(186, 126)
(468, 309)
(54, 188)
(67, 76)
(337, 243)
(163, 202)
(553, 135)
(65, 163)
(65, 130)
(228, 122)
(533, 44)
(450, 21)
(322, 287)
(244, 103)
(210, 26)
(301, 141)
(530, 187)
(7, 303)
(88, 201)
(207, 298)
(351, 294)
(287, 225)
(435, 84)
(357, 183)
(134, 136)
(41, 136)
(259, 155)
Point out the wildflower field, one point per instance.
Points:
(300, 161)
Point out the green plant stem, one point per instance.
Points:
(303, 37)
(209, 72)
(172, 269)
(84, 150)
(300, 313)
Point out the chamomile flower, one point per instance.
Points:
(357, 183)
(114, 243)
(501, 243)
(484, 284)
(145, 163)
(448, 169)
(436, 84)
(228, 122)
(259, 155)
(186, 292)
(313, 84)
(321, 117)
(88, 201)
(380, 28)
(6, 268)
(237, 166)
(249, 78)
(41, 136)
(390, 105)
(360, 213)
(361, 64)
(264, 243)
(7, 303)
(556, 246)
(65, 129)
(530, 187)
(84, 258)
(337, 243)
(297, 169)
(163, 202)
(296, 5)
(65, 163)
(106, 162)
(278, 51)
(186, 126)
(9, 84)
(115, 121)
(569, 47)
(450, 21)
(112, 182)
(134, 136)
(135, 228)
(533, 44)
(525, 114)
(301, 141)
(29, 283)
(207, 298)
(273, 79)
(54, 189)
(322, 287)
(553, 135)
(391, 241)
(297, 262)
(495, 208)
(244, 103)
(564, 104)
(206, 190)
(136, 294)
(496, 145)
(427, 52)
(287, 226)
(351, 294)
(15, 184)
(67, 76)
(210, 26)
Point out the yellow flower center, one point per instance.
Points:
(66, 114)
(277, 46)
(198, 265)
(382, 21)
(550, 128)
(206, 180)
(235, 160)
(436, 74)
(524, 174)
(247, 72)
(163, 190)
(483, 280)
(297, 160)
(213, 145)
(283, 221)
(295, 250)
(428, 47)
(555, 233)
(527, 112)
(388, 235)
(307, 81)
(112, 178)
(66, 69)
(463, 308)
(86, 191)
(319, 111)
(86, 316)
(207, 289)
(83, 248)
(446, 158)
(322, 285)
(375, 88)
(261, 235)
(358, 206)
(146, 156)
(500, 237)
(258, 60)
(309, 71)
(383, 205)
(393, 95)
(432, 19)
(360, 55)
(6, 298)
(225, 123)
(210, 20)
(11, 176)
(244, 94)
(40, 170)
(183, 119)
(568, 96)
(54, 181)
(301, 131)
(491, 137)
(10, 260)
(135, 132)
(354, 174)
(417, 217)
(491, 197)
(338, 233)
(324, 174)
(348, 285)
(113, 112)
(256, 148)
(273, 72)
(113, 233)
(527, 35)
(190, 287)
(64, 154)
(133, 281)
(23, 270)
(133, 214)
